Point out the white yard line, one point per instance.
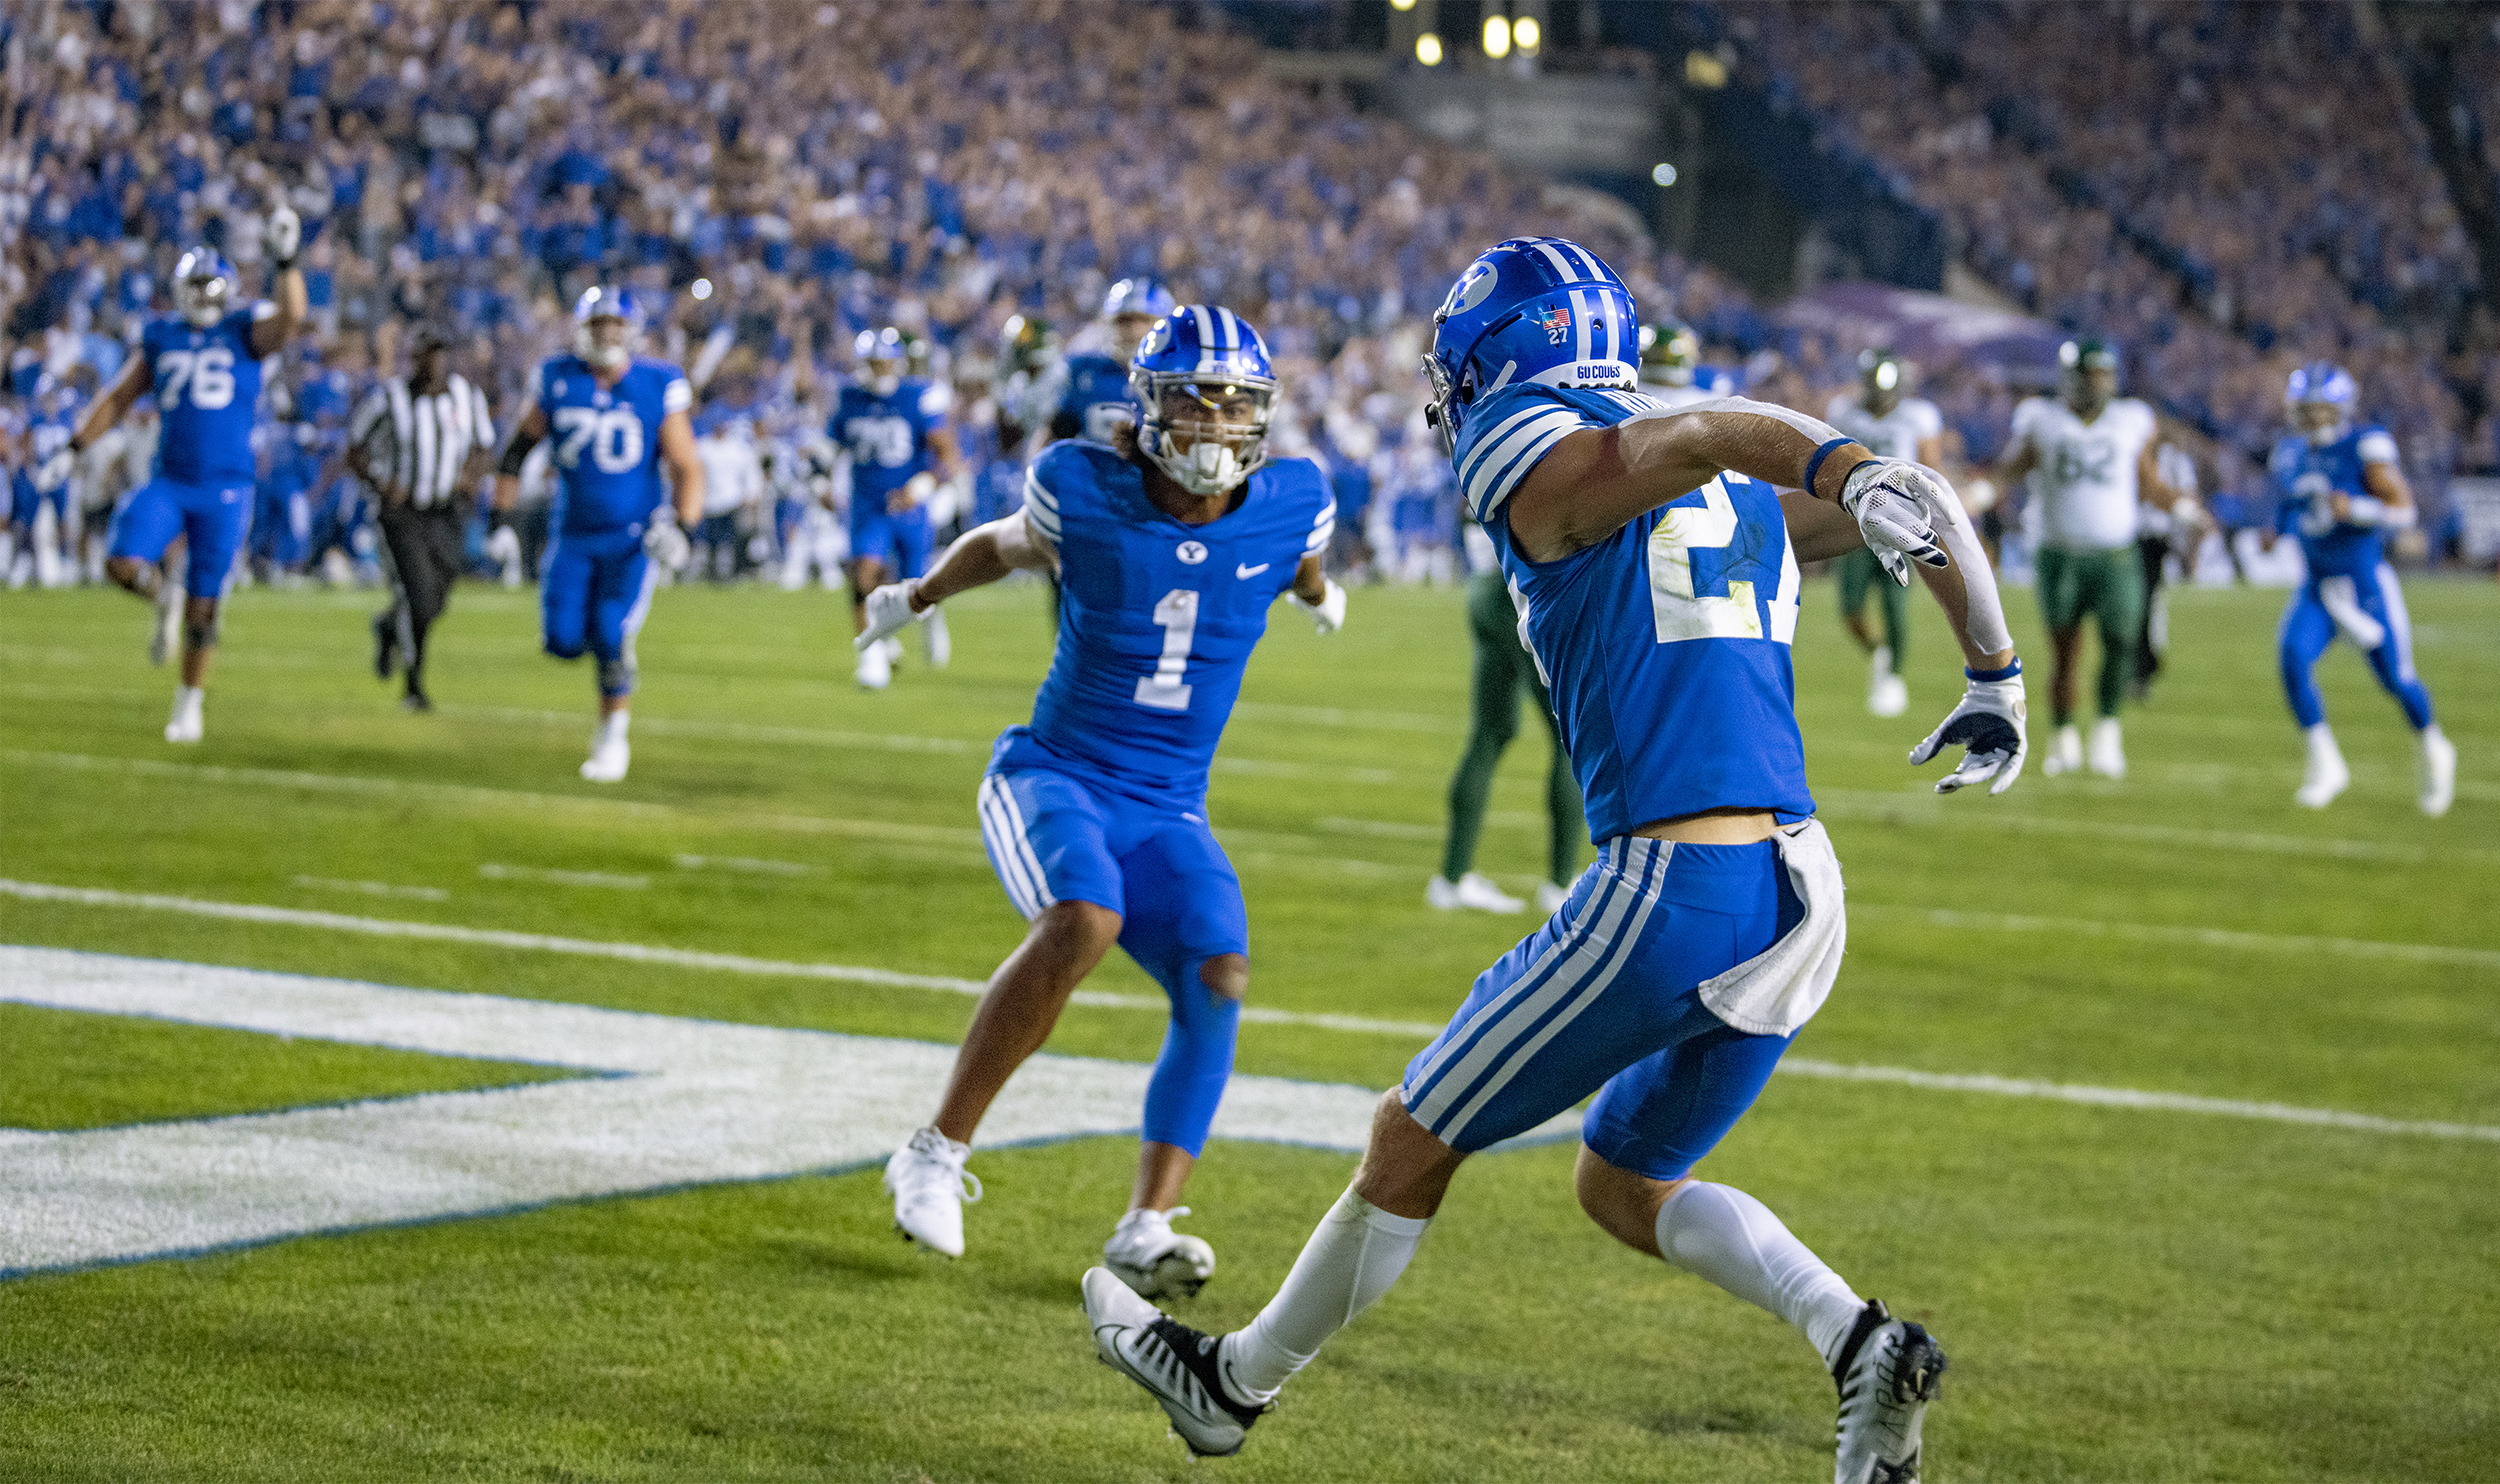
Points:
(2153, 932)
(375, 888)
(746, 863)
(679, 1102)
(1263, 1015)
(608, 880)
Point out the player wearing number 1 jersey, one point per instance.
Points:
(1171, 544)
(615, 418)
(203, 365)
(1655, 558)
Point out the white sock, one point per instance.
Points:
(612, 726)
(1358, 1251)
(2321, 741)
(187, 698)
(1720, 1233)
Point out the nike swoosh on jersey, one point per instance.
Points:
(1245, 570)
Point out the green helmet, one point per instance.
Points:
(1669, 352)
(1882, 371)
(1024, 343)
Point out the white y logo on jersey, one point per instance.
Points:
(1192, 552)
(1245, 571)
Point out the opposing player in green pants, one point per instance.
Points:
(1895, 426)
(2087, 452)
(1503, 669)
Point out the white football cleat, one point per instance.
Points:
(1471, 891)
(2109, 755)
(165, 640)
(2326, 775)
(937, 645)
(1179, 1367)
(2065, 752)
(1550, 898)
(1886, 693)
(608, 760)
(1889, 1370)
(186, 725)
(893, 648)
(1158, 1262)
(931, 1188)
(2439, 771)
(876, 668)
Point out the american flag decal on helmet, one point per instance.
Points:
(1556, 323)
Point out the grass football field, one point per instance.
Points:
(2213, 1283)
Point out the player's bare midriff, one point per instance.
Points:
(1712, 827)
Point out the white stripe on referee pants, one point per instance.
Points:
(1596, 960)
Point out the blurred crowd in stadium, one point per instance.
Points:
(777, 178)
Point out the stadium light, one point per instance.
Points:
(1497, 36)
(1527, 35)
(1428, 49)
(1401, 4)
(1663, 174)
(701, 288)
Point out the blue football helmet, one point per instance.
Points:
(606, 301)
(1532, 309)
(2321, 384)
(204, 289)
(1207, 364)
(1144, 295)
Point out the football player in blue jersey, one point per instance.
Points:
(45, 479)
(1655, 553)
(2340, 490)
(894, 428)
(1172, 542)
(616, 417)
(1096, 397)
(204, 366)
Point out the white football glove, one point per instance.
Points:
(1988, 724)
(284, 236)
(55, 471)
(1328, 614)
(664, 543)
(917, 491)
(1886, 497)
(889, 610)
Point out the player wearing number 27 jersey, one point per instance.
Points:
(1654, 558)
(1171, 545)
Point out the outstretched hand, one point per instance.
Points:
(1989, 726)
(889, 610)
(1888, 498)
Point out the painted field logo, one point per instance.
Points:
(1556, 323)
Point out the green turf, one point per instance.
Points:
(2126, 1294)
(92, 1071)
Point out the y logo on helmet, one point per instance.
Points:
(1556, 323)
(1156, 338)
(1472, 289)
(1192, 552)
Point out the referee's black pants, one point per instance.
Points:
(427, 548)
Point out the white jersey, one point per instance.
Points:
(1895, 435)
(2178, 470)
(2083, 475)
(733, 474)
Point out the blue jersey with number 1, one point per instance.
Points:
(606, 440)
(207, 388)
(1157, 619)
(1666, 644)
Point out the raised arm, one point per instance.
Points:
(284, 238)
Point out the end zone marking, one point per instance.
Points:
(2118, 1097)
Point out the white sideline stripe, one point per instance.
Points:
(1255, 1014)
(682, 1102)
(375, 888)
(2150, 932)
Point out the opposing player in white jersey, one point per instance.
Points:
(1173, 542)
(1657, 564)
(2088, 453)
(1895, 426)
(1671, 364)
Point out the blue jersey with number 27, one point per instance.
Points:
(605, 441)
(1666, 644)
(207, 389)
(1157, 618)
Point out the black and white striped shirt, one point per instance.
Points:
(427, 439)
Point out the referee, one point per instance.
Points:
(420, 442)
